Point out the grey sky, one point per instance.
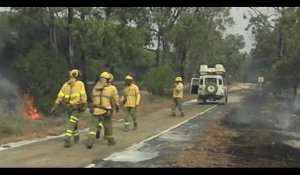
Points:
(240, 25)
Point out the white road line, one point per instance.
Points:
(173, 127)
(90, 166)
(160, 133)
(26, 142)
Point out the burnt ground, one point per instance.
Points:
(262, 132)
(267, 128)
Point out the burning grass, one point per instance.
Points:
(31, 111)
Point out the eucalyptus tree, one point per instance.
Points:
(197, 35)
(277, 43)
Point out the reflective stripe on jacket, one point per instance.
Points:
(103, 97)
(72, 93)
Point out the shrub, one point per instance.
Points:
(159, 80)
(41, 73)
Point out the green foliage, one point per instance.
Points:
(121, 40)
(94, 68)
(286, 71)
(159, 80)
(41, 75)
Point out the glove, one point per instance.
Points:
(52, 110)
(117, 109)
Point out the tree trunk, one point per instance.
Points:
(280, 43)
(52, 30)
(70, 43)
(164, 51)
(83, 65)
(157, 50)
(84, 77)
(182, 59)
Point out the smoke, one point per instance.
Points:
(10, 100)
(288, 115)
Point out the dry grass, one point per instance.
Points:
(22, 129)
(12, 129)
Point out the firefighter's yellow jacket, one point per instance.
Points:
(178, 90)
(131, 96)
(103, 97)
(72, 93)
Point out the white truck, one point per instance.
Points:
(210, 85)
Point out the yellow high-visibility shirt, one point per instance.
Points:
(178, 90)
(131, 95)
(72, 93)
(103, 98)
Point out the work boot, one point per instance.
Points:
(98, 134)
(182, 114)
(76, 138)
(89, 144)
(135, 126)
(126, 128)
(111, 141)
(173, 114)
(67, 142)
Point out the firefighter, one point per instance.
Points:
(100, 125)
(131, 100)
(102, 96)
(177, 96)
(73, 94)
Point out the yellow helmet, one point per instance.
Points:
(128, 77)
(111, 78)
(74, 73)
(178, 79)
(105, 75)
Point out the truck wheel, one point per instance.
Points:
(211, 88)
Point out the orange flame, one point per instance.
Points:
(32, 112)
